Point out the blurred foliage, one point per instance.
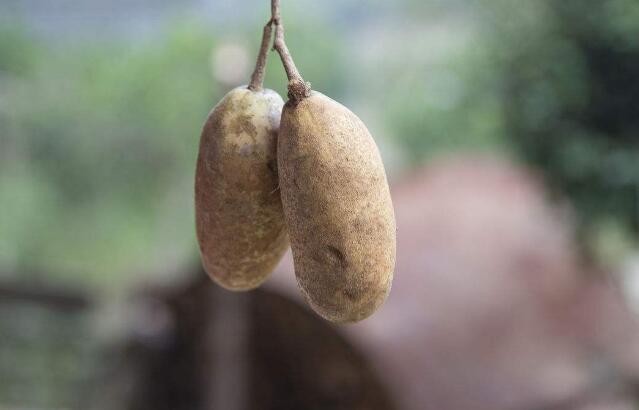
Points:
(99, 139)
(570, 72)
(98, 145)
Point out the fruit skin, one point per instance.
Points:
(238, 210)
(337, 207)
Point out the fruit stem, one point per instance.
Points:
(298, 89)
(257, 79)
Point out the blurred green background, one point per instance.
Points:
(101, 108)
(99, 132)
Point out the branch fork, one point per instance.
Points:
(298, 89)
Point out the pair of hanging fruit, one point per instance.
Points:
(307, 170)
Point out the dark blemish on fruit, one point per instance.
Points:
(336, 256)
(243, 123)
(351, 294)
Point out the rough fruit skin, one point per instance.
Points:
(238, 210)
(338, 209)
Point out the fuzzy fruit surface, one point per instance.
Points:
(238, 210)
(337, 207)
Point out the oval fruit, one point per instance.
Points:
(338, 208)
(238, 210)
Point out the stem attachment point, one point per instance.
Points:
(298, 89)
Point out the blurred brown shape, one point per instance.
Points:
(223, 350)
(492, 306)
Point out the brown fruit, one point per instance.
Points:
(238, 211)
(338, 209)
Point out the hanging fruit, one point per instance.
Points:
(238, 211)
(335, 200)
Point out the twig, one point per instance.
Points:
(257, 79)
(298, 89)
